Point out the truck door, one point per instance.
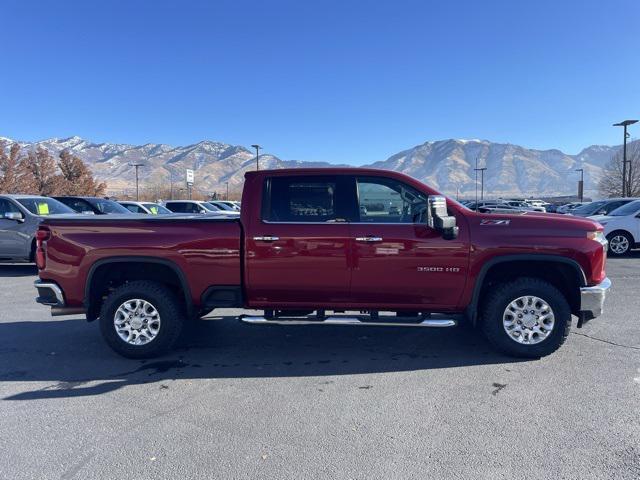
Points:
(296, 247)
(399, 263)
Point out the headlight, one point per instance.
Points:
(598, 236)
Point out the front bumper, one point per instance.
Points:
(592, 299)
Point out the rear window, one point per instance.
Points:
(44, 206)
(300, 199)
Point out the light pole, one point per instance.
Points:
(581, 184)
(227, 183)
(481, 170)
(137, 165)
(626, 188)
(257, 147)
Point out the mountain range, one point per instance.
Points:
(447, 165)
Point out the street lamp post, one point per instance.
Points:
(257, 147)
(626, 188)
(581, 184)
(227, 183)
(137, 165)
(481, 170)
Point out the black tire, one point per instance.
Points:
(617, 234)
(32, 252)
(497, 301)
(165, 302)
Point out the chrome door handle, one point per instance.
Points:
(368, 239)
(266, 238)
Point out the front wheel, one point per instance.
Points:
(619, 243)
(141, 319)
(527, 318)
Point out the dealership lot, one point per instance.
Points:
(242, 401)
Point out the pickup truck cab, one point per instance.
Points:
(311, 244)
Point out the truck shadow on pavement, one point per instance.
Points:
(72, 356)
(18, 270)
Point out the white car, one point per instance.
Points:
(150, 208)
(197, 206)
(622, 228)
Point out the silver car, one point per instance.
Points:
(20, 216)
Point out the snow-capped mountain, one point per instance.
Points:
(447, 165)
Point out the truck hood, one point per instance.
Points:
(552, 223)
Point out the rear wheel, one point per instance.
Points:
(619, 243)
(527, 318)
(141, 319)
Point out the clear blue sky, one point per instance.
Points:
(342, 81)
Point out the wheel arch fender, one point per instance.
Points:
(502, 260)
(174, 267)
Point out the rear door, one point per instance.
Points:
(399, 263)
(297, 248)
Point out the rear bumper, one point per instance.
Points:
(592, 299)
(50, 294)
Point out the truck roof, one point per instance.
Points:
(327, 171)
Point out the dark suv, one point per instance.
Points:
(95, 205)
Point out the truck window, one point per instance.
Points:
(300, 199)
(384, 200)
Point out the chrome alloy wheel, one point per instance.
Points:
(137, 321)
(528, 320)
(619, 244)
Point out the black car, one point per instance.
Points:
(95, 205)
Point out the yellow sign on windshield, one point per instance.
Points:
(154, 210)
(43, 208)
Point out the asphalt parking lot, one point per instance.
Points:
(243, 401)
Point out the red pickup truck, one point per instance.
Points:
(312, 245)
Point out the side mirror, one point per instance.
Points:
(15, 216)
(439, 219)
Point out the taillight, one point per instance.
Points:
(42, 235)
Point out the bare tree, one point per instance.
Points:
(610, 184)
(75, 177)
(41, 167)
(13, 172)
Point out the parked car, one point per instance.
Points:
(568, 207)
(537, 203)
(303, 245)
(92, 205)
(197, 206)
(600, 207)
(493, 206)
(20, 216)
(622, 228)
(522, 205)
(226, 205)
(145, 207)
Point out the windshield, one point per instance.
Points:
(156, 209)
(108, 206)
(223, 206)
(628, 209)
(588, 208)
(44, 206)
(211, 207)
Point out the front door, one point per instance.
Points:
(399, 264)
(297, 248)
(12, 239)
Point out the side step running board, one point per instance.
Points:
(428, 322)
